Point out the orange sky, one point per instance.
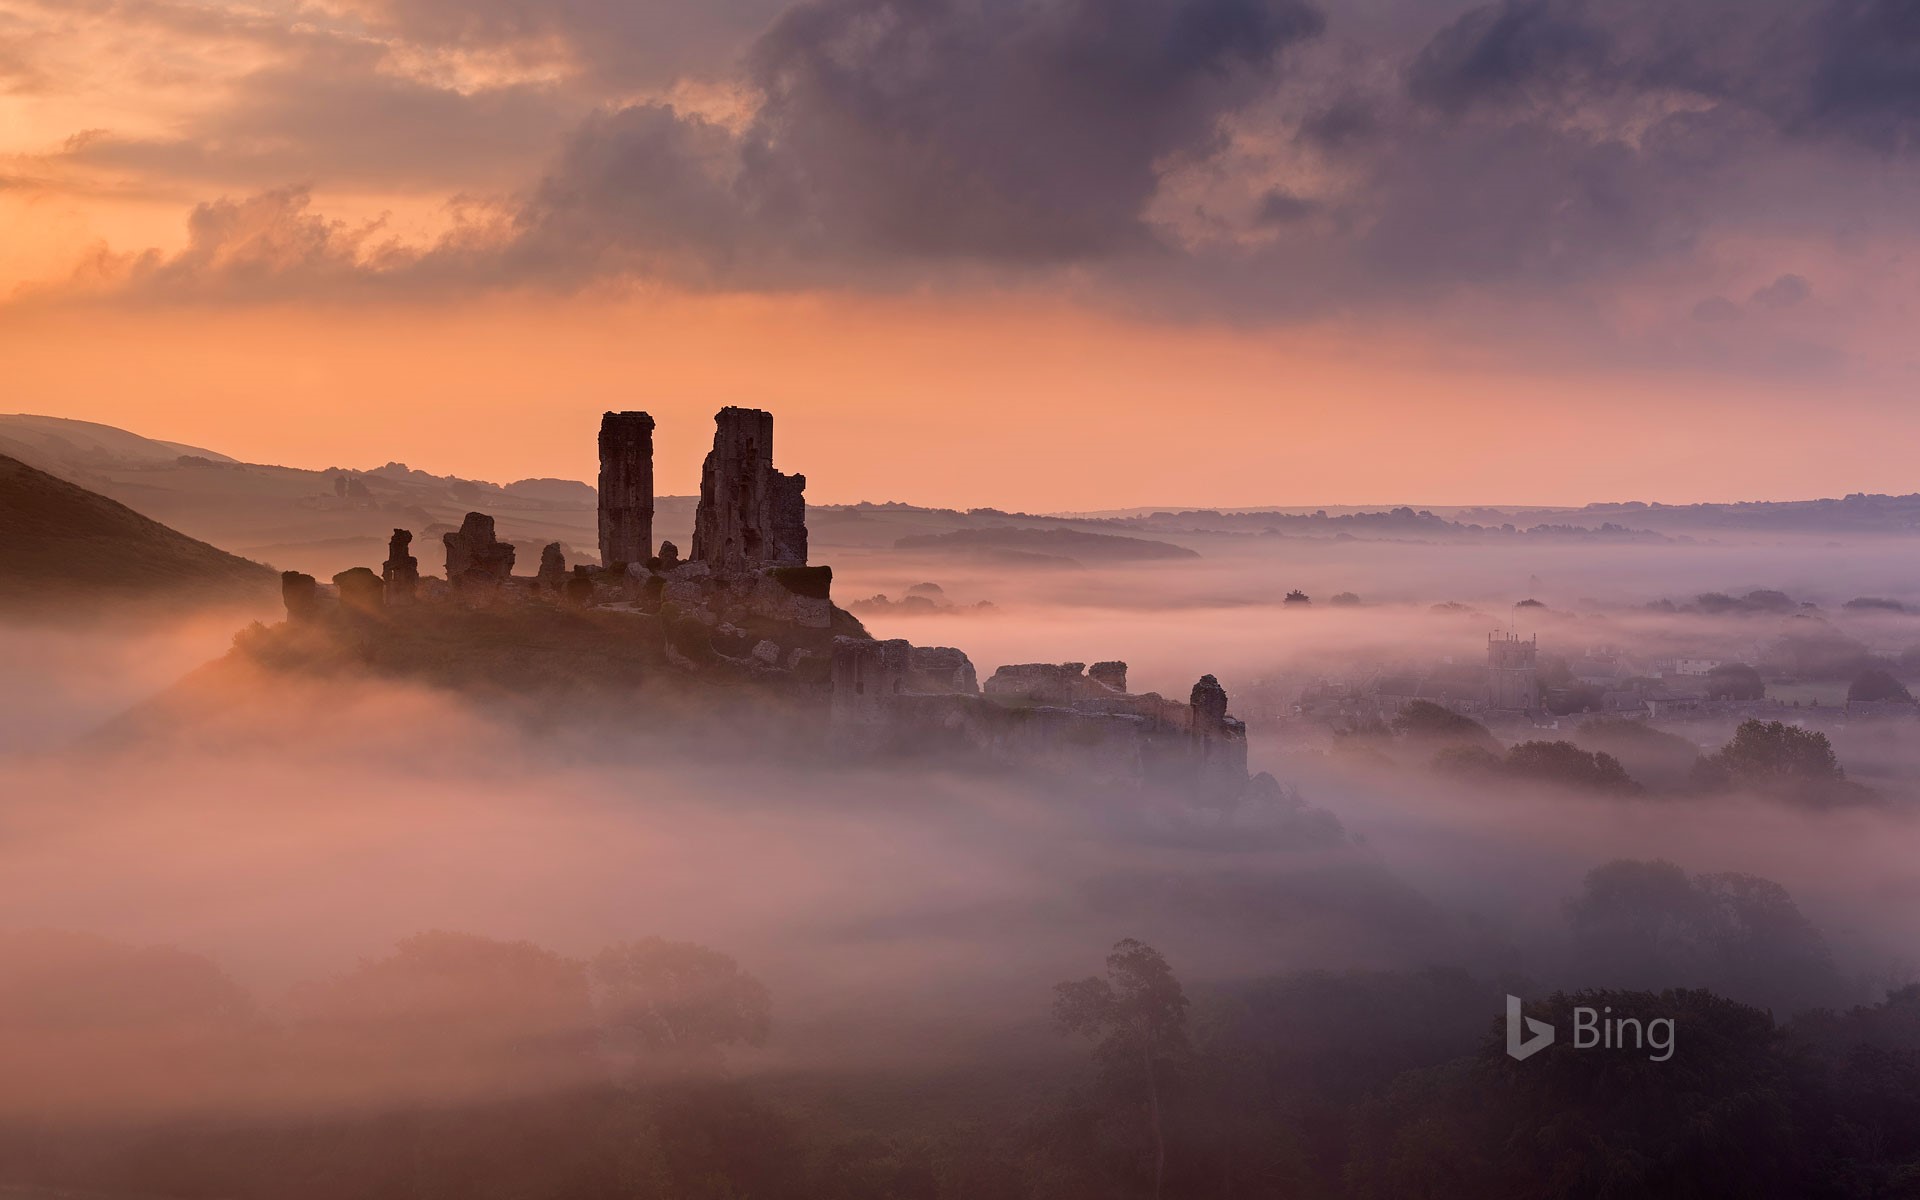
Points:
(1016, 406)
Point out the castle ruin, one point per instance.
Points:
(746, 607)
(750, 515)
(626, 488)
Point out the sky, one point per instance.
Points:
(1038, 254)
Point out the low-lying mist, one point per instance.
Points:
(319, 899)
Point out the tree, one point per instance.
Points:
(677, 1004)
(1775, 752)
(1874, 603)
(1735, 681)
(1137, 1016)
(1566, 763)
(1876, 684)
(1297, 597)
(1345, 600)
(1649, 924)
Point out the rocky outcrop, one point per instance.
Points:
(626, 488)
(553, 568)
(401, 572)
(475, 557)
(669, 556)
(1110, 674)
(750, 515)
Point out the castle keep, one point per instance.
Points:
(745, 607)
(626, 487)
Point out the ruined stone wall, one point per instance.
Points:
(1054, 717)
(1059, 683)
(626, 488)
(866, 676)
(475, 557)
(750, 515)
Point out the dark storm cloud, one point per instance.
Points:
(1023, 131)
(1528, 142)
(1838, 68)
(1250, 158)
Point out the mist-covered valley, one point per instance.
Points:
(446, 900)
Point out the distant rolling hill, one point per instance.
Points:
(318, 521)
(65, 549)
(47, 441)
(1009, 544)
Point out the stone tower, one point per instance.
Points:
(1513, 676)
(626, 488)
(750, 515)
(401, 572)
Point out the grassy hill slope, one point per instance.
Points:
(62, 546)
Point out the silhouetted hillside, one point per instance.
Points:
(65, 547)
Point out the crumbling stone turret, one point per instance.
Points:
(1219, 741)
(1209, 701)
(1113, 674)
(401, 572)
(626, 488)
(750, 515)
(475, 557)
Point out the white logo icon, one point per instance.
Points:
(1540, 1034)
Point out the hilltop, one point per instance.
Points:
(68, 548)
